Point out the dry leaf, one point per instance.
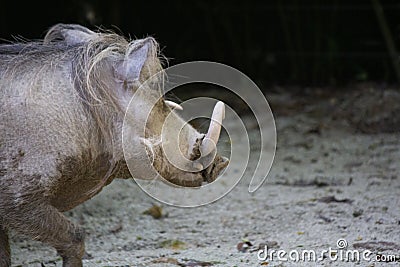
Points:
(173, 244)
(155, 211)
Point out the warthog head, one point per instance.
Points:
(174, 149)
(157, 140)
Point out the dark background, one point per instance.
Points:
(294, 42)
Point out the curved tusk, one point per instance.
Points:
(174, 105)
(212, 136)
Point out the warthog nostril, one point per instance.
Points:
(196, 154)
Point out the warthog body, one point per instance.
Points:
(62, 104)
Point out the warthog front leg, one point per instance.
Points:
(5, 257)
(45, 223)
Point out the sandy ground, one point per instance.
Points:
(330, 180)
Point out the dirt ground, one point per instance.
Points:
(336, 175)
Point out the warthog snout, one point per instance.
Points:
(180, 154)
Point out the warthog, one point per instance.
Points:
(62, 105)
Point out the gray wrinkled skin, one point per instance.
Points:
(62, 104)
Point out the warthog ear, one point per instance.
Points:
(129, 69)
(69, 33)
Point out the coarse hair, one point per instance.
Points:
(92, 56)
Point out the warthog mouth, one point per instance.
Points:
(213, 164)
(211, 173)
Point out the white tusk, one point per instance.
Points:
(212, 136)
(174, 105)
